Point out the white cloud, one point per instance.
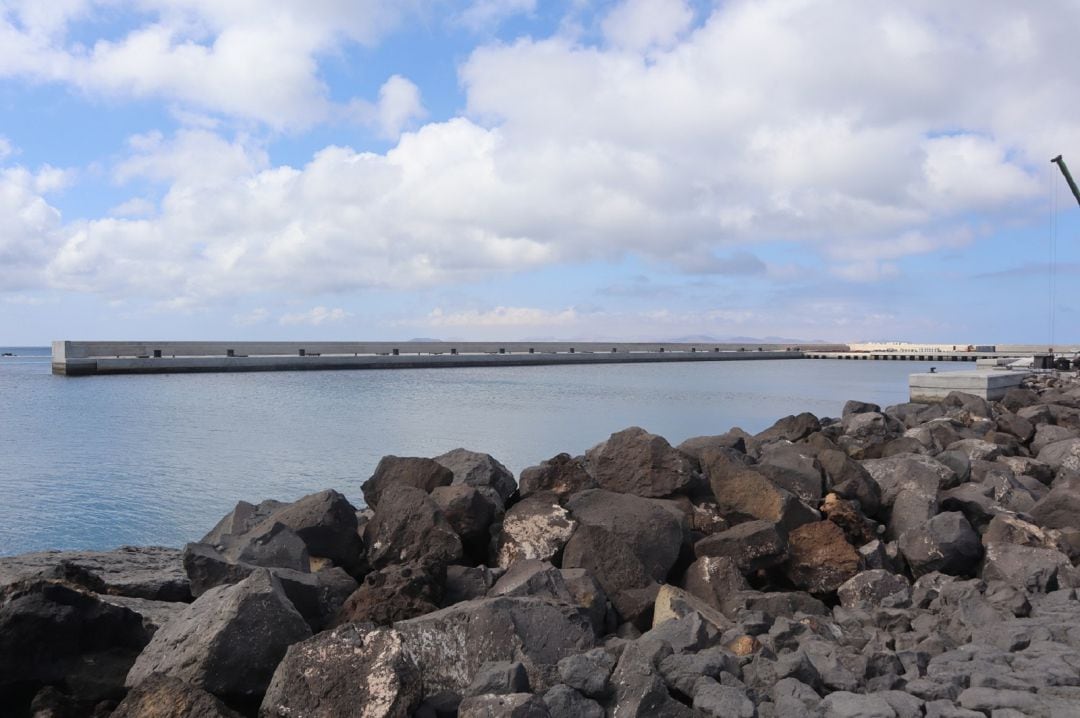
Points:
(484, 14)
(315, 316)
(249, 59)
(642, 24)
(255, 316)
(6, 149)
(501, 317)
(399, 106)
(699, 147)
(134, 207)
(30, 232)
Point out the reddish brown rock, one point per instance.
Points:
(819, 557)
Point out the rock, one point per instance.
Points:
(647, 526)
(326, 522)
(690, 633)
(1059, 509)
(151, 572)
(515, 705)
(240, 520)
(464, 583)
(589, 672)
(408, 526)
(395, 593)
(848, 479)
(633, 461)
(1019, 427)
(858, 407)
(752, 546)
(713, 579)
(206, 568)
(450, 645)
(793, 468)
(946, 543)
(52, 633)
(681, 671)
(534, 528)
(909, 470)
(1023, 465)
(640, 691)
(418, 473)
(481, 471)
(1033, 569)
(587, 593)
(271, 545)
(974, 405)
(1017, 398)
(846, 514)
(1061, 455)
(843, 704)
(749, 495)
(154, 614)
(1047, 434)
(867, 426)
(562, 475)
(790, 428)
(819, 557)
(161, 696)
(673, 603)
(719, 701)
(615, 566)
(338, 672)
(562, 701)
(470, 514)
(693, 447)
(499, 678)
(976, 449)
(228, 642)
(871, 587)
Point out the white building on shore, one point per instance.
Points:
(910, 348)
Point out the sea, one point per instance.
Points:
(103, 461)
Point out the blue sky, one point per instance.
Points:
(341, 169)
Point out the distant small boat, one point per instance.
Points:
(7, 354)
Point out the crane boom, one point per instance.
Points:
(1068, 177)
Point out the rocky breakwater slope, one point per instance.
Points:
(914, 561)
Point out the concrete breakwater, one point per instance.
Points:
(912, 560)
(85, 358)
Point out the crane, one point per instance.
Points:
(1068, 177)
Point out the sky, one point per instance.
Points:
(840, 170)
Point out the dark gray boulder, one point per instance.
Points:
(1032, 569)
(790, 428)
(326, 522)
(795, 468)
(339, 672)
(695, 446)
(561, 475)
(852, 406)
(633, 461)
(722, 701)
(513, 705)
(638, 685)
(481, 471)
(649, 527)
(464, 583)
(228, 642)
(244, 517)
(589, 673)
(871, 588)
(416, 472)
(713, 579)
(752, 546)
(562, 701)
(499, 678)
(450, 646)
(408, 526)
(470, 514)
(1047, 434)
(1017, 426)
(617, 569)
(52, 633)
(946, 543)
(1061, 455)
(151, 572)
(1059, 509)
(161, 696)
(534, 528)
(848, 479)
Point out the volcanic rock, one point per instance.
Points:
(418, 473)
(562, 475)
(633, 461)
(408, 526)
(534, 528)
(945, 543)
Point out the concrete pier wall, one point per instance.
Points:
(72, 358)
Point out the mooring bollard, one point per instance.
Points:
(303, 352)
(157, 353)
(571, 350)
(531, 350)
(397, 352)
(230, 352)
(501, 350)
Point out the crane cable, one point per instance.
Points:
(1052, 263)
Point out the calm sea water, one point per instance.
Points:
(96, 462)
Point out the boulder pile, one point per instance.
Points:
(913, 561)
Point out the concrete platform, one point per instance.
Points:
(988, 384)
(89, 358)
